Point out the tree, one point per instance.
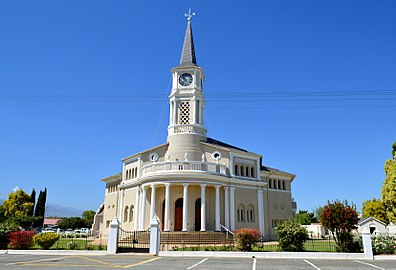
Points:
(88, 217)
(389, 187)
(340, 218)
(33, 201)
(2, 214)
(374, 208)
(18, 204)
(305, 218)
(40, 206)
(318, 212)
(71, 223)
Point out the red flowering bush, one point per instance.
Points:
(246, 238)
(340, 218)
(21, 239)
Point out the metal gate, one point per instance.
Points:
(133, 241)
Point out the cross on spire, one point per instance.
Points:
(189, 15)
(188, 53)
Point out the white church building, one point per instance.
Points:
(193, 182)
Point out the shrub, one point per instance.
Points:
(291, 235)
(4, 239)
(72, 245)
(349, 243)
(21, 240)
(383, 244)
(46, 240)
(5, 229)
(246, 238)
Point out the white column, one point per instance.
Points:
(194, 111)
(143, 209)
(152, 204)
(167, 208)
(258, 170)
(226, 208)
(217, 212)
(232, 208)
(185, 206)
(203, 208)
(121, 206)
(139, 167)
(175, 112)
(260, 210)
(232, 167)
(171, 113)
(136, 213)
(200, 113)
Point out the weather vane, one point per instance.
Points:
(189, 14)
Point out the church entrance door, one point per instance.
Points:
(198, 215)
(179, 214)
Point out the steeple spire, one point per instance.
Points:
(188, 53)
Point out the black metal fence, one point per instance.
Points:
(79, 242)
(133, 241)
(194, 241)
(216, 241)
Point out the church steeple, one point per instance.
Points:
(186, 122)
(188, 53)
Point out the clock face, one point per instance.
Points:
(185, 79)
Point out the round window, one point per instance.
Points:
(153, 157)
(216, 155)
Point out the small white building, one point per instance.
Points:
(316, 230)
(374, 225)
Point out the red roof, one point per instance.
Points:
(51, 221)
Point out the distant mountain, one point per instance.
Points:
(54, 210)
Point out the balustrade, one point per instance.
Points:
(185, 166)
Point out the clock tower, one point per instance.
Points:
(186, 124)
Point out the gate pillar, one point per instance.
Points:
(154, 236)
(112, 241)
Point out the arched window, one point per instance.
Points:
(274, 184)
(126, 214)
(247, 171)
(252, 172)
(131, 213)
(279, 184)
(250, 213)
(241, 213)
(242, 170)
(283, 185)
(236, 170)
(126, 175)
(270, 183)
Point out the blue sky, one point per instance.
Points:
(310, 85)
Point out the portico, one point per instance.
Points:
(217, 204)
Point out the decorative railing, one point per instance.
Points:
(194, 166)
(186, 129)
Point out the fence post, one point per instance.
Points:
(112, 241)
(154, 237)
(367, 246)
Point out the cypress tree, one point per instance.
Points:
(32, 200)
(40, 206)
